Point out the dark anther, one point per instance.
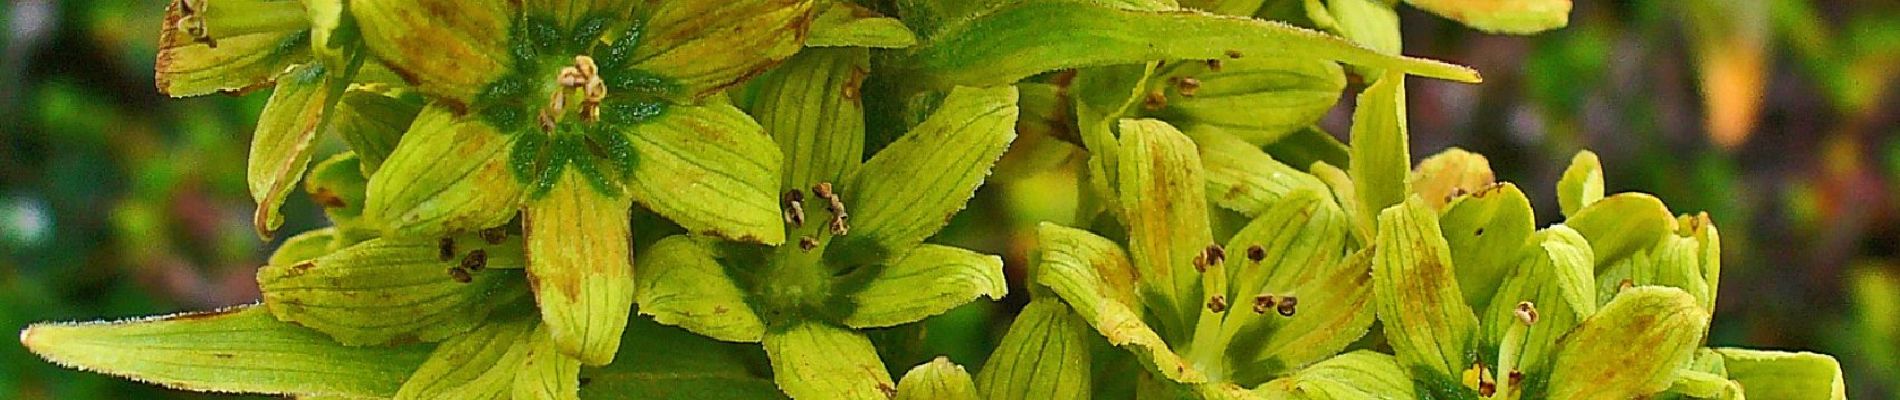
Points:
(1213, 65)
(1256, 253)
(1287, 305)
(1215, 254)
(476, 260)
(1233, 53)
(835, 204)
(445, 249)
(794, 204)
(460, 275)
(1515, 379)
(807, 243)
(494, 235)
(1262, 303)
(1155, 101)
(1217, 304)
(1188, 86)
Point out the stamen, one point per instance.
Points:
(1256, 253)
(1188, 86)
(1526, 313)
(1262, 304)
(445, 249)
(193, 23)
(835, 205)
(1288, 306)
(494, 235)
(794, 203)
(1217, 304)
(807, 243)
(476, 260)
(585, 76)
(460, 275)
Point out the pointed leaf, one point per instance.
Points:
(1785, 375)
(1582, 183)
(373, 123)
(234, 350)
(1381, 153)
(1621, 225)
(1092, 275)
(1020, 40)
(1242, 178)
(813, 360)
(395, 290)
(479, 364)
(910, 189)
(1357, 375)
(450, 49)
(927, 281)
(238, 56)
(1259, 99)
(710, 169)
(1487, 231)
(1167, 219)
(706, 46)
(939, 379)
(847, 24)
(1595, 362)
(1449, 175)
(1044, 355)
(448, 174)
(581, 267)
(281, 147)
(681, 283)
(1429, 325)
(812, 107)
(1502, 16)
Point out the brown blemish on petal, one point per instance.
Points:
(328, 198)
(1231, 53)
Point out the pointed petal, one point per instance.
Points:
(1381, 153)
(706, 46)
(1554, 276)
(373, 122)
(1044, 355)
(338, 185)
(927, 281)
(581, 267)
(281, 147)
(234, 350)
(1520, 17)
(305, 246)
(448, 174)
(1162, 192)
(1487, 231)
(1357, 375)
(939, 379)
(1622, 225)
(910, 189)
(1242, 178)
(710, 169)
(1785, 375)
(395, 290)
(239, 56)
(1430, 327)
(1370, 23)
(1092, 274)
(661, 362)
(1449, 175)
(847, 24)
(546, 373)
(450, 49)
(1335, 309)
(812, 107)
(682, 283)
(813, 360)
(1595, 362)
(478, 365)
(1582, 183)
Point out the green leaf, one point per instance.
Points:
(847, 24)
(681, 283)
(1426, 320)
(234, 350)
(1242, 178)
(1622, 225)
(448, 174)
(1161, 191)
(1450, 175)
(373, 122)
(580, 264)
(1259, 99)
(281, 147)
(1381, 154)
(939, 379)
(1357, 375)
(338, 185)
(247, 44)
(395, 290)
(910, 189)
(1226, 7)
(1582, 183)
(1519, 17)
(927, 281)
(1595, 362)
(1370, 23)
(450, 49)
(1785, 375)
(1487, 232)
(812, 106)
(706, 46)
(710, 169)
(1044, 356)
(660, 362)
(1020, 40)
(1555, 277)
(815, 360)
(1092, 274)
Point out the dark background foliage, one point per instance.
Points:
(117, 202)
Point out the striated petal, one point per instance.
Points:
(580, 265)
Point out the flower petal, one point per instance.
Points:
(1554, 276)
(1242, 178)
(1595, 362)
(710, 169)
(1785, 375)
(1487, 231)
(448, 174)
(246, 57)
(1622, 225)
(581, 267)
(450, 49)
(1381, 152)
(1357, 375)
(1449, 175)
(1259, 99)
(939, 379)
(546, 372)
(281, 147)
(1335, 309)
(812, 107)
(706, 46)
(910, 189)
(1429, 325)
(814, 360)
(927, 281)
(847, 24)
(337, 184)
(395, 290)
(372, 122)
(1162, 195)
(1520, 17)
(479, 364)
(234, 350)
(1044, 355)
(682, 283)
(1091, 273)
(1582, 183)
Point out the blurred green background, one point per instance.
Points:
(1779, 117)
